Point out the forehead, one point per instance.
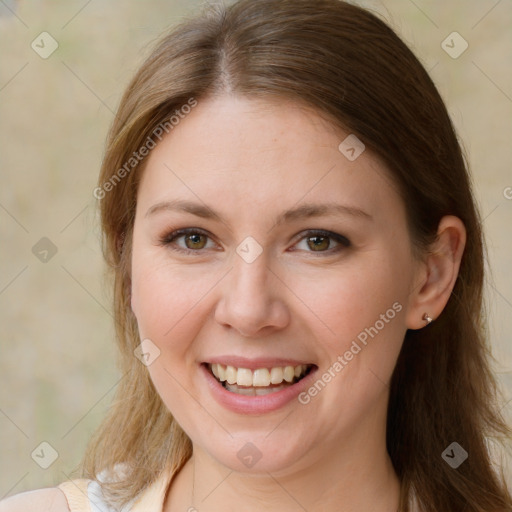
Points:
(235, 151)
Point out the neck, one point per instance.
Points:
(357, 478)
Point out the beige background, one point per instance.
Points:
(57, 353)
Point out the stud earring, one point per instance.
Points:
(427, 318)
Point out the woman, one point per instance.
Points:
(298, 267)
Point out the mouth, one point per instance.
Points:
(258, 381)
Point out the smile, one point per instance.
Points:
(260, 381)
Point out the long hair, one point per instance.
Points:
(353, 69)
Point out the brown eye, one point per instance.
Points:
(318, 243)
(321, 242)
(195, 241)
(189, 240)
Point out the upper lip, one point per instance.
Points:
(255, 363)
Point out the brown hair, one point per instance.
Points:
(351, 67)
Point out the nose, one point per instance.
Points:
(253, 299)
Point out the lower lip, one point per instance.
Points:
(244, 404)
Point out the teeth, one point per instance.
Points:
(289, 373)
(259, 378)
(276, 375)
(244, 391)
(266, 391)
(253, 391)
(231, 374)
(244, 377)
(222, 372)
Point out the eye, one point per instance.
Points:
(320, 241)
(194, 239)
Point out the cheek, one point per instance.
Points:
(353, 297)
(361, 309)
(158, 297)
(164, 300)
(363, 305)
(163, 303)
(169, 302)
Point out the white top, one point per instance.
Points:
(84, 495)
(97, 500)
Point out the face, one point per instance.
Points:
(263, 255)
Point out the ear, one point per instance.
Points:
(437, 274)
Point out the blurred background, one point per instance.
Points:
(63, 68)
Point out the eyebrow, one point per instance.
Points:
(307, 210)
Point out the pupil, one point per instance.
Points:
(195, 238)
(317, 241)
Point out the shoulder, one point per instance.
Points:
(50, 499)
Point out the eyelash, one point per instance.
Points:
(169, 239)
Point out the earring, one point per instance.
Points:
(427, 318)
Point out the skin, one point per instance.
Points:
(249, 160)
